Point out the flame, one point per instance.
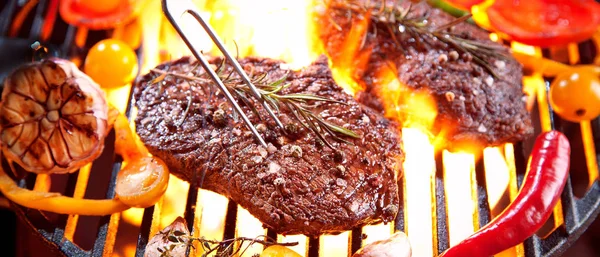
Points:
(350, 59)
(334, 245)
(497, 178)
(461, 195)
(415, 108)
(250, 227)
(507, 168)
(266, 28)
(419, 179)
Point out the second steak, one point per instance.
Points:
(473, 104)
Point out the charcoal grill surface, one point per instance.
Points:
(580, 204)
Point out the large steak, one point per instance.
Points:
(298, 185)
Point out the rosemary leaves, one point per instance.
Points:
(398, 20)
(298, 104)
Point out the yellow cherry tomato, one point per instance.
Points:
(97, 6)
(575, 94)
(279, 251)
(111, 63)
(142, 182)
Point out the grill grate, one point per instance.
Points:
(580, 202)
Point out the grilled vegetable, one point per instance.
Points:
(55, 202)
(142, 182)
(544, 66)
(99, 15)
(126, 143)
(551, 68)
(547, 173)
(278, 251)
(549, 22)
(171, 241)
(111, 63)
(575, 91)
(53, 118)
(575, 95)
(395, 246)
(143, 179)
(98, 7)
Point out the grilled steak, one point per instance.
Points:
(298, 184)
(472, 104)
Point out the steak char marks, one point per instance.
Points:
(473, 106)
(297, 185)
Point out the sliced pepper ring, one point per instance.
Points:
(57, 203)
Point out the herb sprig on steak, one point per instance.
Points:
(297, 185)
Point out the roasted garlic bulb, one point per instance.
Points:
(53, 117)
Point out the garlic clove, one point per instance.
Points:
(171, 241)
(10, 135)
(395, 246)
(59, 150)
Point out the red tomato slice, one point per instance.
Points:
(463, 4)
(545, 22)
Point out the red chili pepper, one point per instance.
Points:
(546, 177)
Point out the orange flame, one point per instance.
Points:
(352, 57)
(414, 108)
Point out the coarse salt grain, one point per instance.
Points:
(262, 151)
(271, 148)
(274, 167)
(257, 159)
(482, 128)
(489, 81)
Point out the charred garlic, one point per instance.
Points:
(53, 117)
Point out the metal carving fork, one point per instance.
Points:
(174, 10)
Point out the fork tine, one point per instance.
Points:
(182, 7)
(238, 68)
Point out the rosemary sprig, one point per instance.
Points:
(297, 104)
(397, 20)
(225, 248)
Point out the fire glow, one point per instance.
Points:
(285, 30)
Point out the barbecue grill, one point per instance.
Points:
(74, 235)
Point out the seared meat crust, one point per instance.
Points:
(472, 105)
(295, 186)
